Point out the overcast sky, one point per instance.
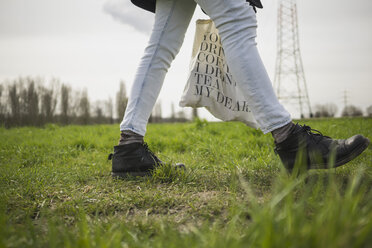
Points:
(94, 44)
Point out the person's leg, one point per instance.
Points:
(236, 22)
(172, 18)
(132, 156)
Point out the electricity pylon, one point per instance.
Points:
(290, 82)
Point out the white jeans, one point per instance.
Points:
(237, 24)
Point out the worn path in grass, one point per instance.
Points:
(56, 190)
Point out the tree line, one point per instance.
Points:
(28, 101)
(32, 101)
(330, 110)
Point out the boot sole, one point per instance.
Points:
(130, 174)
(178, 166)
(355, 153)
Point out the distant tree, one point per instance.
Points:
(49, 100)
(332, 109)
(1, 93)
(173, 113)
(2, 105)
(352, 111)
(29, 102)
(98, 112)
(156, 113)
(121, 100)
(65, 103)
(326, 110)
(75, 109)
(15, 105)
(369, 111)
(109, 110)
(84, 108)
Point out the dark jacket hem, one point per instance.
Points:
(150, 4)
(145, 4)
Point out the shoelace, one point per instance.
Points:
(313, 133)
(147, 149)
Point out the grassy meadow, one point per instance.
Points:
(56, 190)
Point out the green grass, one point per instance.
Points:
(56, 190)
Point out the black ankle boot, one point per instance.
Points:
(318, 149)
(134, 159)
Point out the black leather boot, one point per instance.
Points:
(317, 150)
(135, 159)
